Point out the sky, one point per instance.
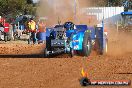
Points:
(35, 1)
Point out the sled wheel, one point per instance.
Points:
(86, 44)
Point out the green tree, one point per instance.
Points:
(15, 7)
(29, 2)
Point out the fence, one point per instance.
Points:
(110, 14)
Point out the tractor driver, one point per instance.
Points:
(69, 26)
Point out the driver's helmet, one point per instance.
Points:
(69, 25)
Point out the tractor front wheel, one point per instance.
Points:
(87, 44)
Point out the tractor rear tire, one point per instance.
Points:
(87, 46)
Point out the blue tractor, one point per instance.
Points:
(70, 38)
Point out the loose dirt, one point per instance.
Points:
(22, 67)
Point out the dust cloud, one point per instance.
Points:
(64, 10)
(119, 43)
(56, 10)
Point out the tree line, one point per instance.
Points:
(13, 8)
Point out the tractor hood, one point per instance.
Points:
(81, 27)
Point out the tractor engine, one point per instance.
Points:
(58, 39)
(60, 33)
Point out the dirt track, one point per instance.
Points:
(18, 71)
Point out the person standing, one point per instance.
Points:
(32, 30)
(42, 26)
(42, 31)
(1, 30)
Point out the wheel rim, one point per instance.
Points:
(88, 45)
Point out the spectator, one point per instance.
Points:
(32, 30)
